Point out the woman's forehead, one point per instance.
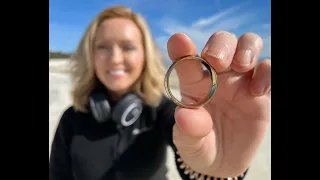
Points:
(118, 29)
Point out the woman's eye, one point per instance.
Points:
(128, 47)
(103, 47)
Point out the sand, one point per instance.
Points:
(59, 100)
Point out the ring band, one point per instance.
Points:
(213, 76)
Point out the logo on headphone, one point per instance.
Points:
(131, 114)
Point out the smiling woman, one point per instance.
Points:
(120, 122)
(118, 54)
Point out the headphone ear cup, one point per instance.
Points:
(128, 110)
(100, 107)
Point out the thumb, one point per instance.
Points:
(192, 125)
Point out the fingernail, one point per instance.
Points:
(244, 57)
(218, 51)
(218, 45)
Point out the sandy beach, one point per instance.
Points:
(59, 100)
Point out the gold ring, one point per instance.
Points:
(213, 76)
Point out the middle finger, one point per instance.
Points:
(219, 50)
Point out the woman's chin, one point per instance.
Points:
(119, 85)
(119, 88)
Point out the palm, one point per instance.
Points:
(240, 120)
(235, 100)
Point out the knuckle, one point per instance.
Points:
(225, 33)
(251, 39)
(251, 35)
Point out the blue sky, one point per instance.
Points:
(198, 19)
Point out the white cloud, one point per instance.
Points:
(236, 19)
(207, 21)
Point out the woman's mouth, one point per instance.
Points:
(117, 73)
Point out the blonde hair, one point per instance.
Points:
(149, 86)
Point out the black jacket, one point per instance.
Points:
(83, 149)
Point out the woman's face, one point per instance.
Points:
(118, 54)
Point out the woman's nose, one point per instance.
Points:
(116, 56)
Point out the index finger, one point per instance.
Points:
(180, 45)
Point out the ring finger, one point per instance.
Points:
(247, 53)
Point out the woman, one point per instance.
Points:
(120, 121)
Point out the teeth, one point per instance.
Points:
(118, 72)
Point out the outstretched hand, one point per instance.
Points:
(222, 137)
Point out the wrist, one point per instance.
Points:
(189, 173)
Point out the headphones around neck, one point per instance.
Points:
(125, 112)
